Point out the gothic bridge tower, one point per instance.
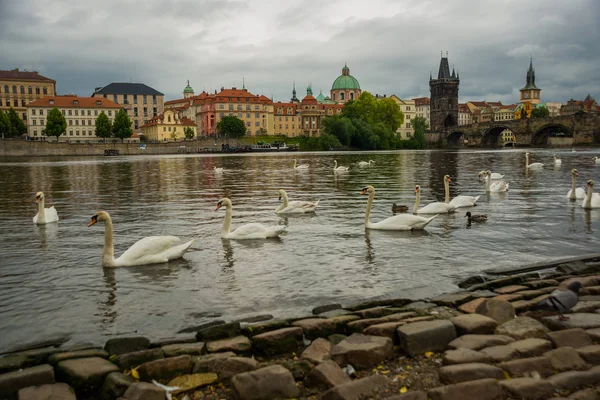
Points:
(444, 98)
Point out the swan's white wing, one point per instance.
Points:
(499, 186)
(403, 222)
(51, 214)
(464, 201)
(149, 250)
(249, 231)
(579, 193)
(496, 175)
(299, 207)
(35, 219)
(436, 208)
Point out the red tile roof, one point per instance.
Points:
(421, 101)
(309, 100)
(479, 103)
(176, 101)
(15, 74)
(284, 107)
(69, 102)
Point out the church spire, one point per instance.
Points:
(294, 99)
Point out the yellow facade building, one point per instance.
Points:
(19, 88)
(166, 127)
(408, 108)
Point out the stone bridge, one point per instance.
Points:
(583, 128)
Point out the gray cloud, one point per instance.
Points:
(390, 46)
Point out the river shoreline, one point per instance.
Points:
(481, 341)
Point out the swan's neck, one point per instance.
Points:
(417, 202)
(526, 160)
(108, 253)
(588, 198)
(487, 183)
(368, 210)
(447, 189)
(227, 224)
(295, 163)
(284, 204)
(573, 196)
(334, 165)
(41, 211)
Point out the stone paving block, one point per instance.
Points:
(510, 297)
(318, 351)
(528, 388)
(206, 363)
(531, 347)
(216, 332)
(342, 321)
(144, 391)
(510, 289)
(586, 394)
(579, 320)
(576, 338)
(375, 312)
(420, 337)
(387, 329)
(565, 359)
(166, 369)
(85, 375)
(230, 366)
(325, 308)
(360, 325)
(238, 344)
(266, 383)
(522, 328)
(452, 299)
(473, 324)
(132, 360)
(498, 310)
(451, 374)
(482, 389)
(55, 358)
(591, 353)
(118, 346)
(11, 382)
(362, 351)
(478, 342)
(500, 353)
(314, 328)
(327, 374)
(594, 334)
(464, 356)
(56, 391)
(360, 388)
(526, 366)
(115, 385)
(471, 306)
(279, 341)
(571, 380)
(179, 349)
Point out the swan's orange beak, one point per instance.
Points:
(218, 206)
(37, 200)
(92, 222)
(364, 191)
(416, 190)
(449, 180)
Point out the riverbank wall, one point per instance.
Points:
(483, 342)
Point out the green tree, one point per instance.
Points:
(340, 127)
(540, 112)
(5, 126)
(189, 133)
(121, 126)
(231, 126)
(56, 123)
(419, 125)
(17, 126)
(103, 126)
(388, 112)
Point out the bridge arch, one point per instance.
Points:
(540, 137)
(491, 136)
(454, 138)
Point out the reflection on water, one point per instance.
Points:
(52, 281)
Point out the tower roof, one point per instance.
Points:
(188, 88)
(320, 96)
(345, 81)
(530, 80)
(444, 72)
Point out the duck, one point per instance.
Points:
(341, 168)
(536, 165)
(459, 201)
(404, 222)
(146, 251)
(476, 217)
(301, 166)
(557, 161)
(399, 209)
(44, 215)
(247, 231)
(296, 206)
(218, 170)
(575, 193)
(365, 163)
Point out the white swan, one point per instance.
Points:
(496, 186)
(557, 161)
(433, 208)
(459, 201)
(44, 215)
(248, 231)
(365, 163)
(493, 176)
(597, 160)
(341, 168)
(535, 165)
(575, 193)
(149, 250)
(402, 222)
(592, 200)
(301, 166)
(218, 170)
(295, 207)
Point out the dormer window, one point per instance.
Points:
(98, 103)
(76, 102)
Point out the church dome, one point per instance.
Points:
(188, 88)
(320, 97)
(345, 81)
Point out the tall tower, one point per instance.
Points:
(530, 93)
(294, 99)
(444, 98)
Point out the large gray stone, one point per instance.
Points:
(526, 366)
(118, 346)
(591, 353)
(132, 360)
(359, 326)
(450, 374)
(197, 328)
(464, 356)
(576, 338)
(11, 382)
(585, 394)
(387, 329)
(279, 341)
(262, 327)
(314, 328)
(500, 353)
(368, 387)
(254, 318)
(144, 391)
(327, 374)
(522, 328)
(478, 342)
(264, 384)
(482, 389)
(207, 363)
(588, 306)
(420, 337)
(230, 366)
(27, 358)
(594, 334)
(575, 379)
(528, 388)
(115, 385)
(473, 324)
(56, 391)
(319, 351)
(375, 312)
(416, 395)
(179, 349)
(238, 344)
(580, 320)
(362, 351)
(166, 369)
(85, 375)
(510, 289)
(342, 321)
(324, 308)
(55, 358)
(452, 299)
(216, 332)
(565, 359)
(531, 347)
(499, 310)
(335, 313)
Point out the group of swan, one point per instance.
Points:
(44, 215)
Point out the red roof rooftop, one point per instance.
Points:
(15, 74)
(74, 102)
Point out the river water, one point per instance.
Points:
(52, 281)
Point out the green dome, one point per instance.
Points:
(345, 81)
(188, 88)
(320, 97)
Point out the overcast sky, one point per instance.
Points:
(390, 45)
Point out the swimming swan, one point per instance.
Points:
(301, 166)
(248, 231)
(341, 168)
(592, 200)
(459, 201)
(296, 206)
(575, 193)
(44, 215)
(535, 165)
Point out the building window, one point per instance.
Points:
(408, 125)
(239, 115)
(34, 133)
(14, 89)
(146, 111)
(248, 123)
(30, 90)
(70, 133)
(125, 99)
(22, 89)
(70, 122)
(257, 107)
(221, 106)
(256, 115)
(136, 124)
(247, 115)
(34, 122)
(135, 112)
(145, 101)
(231, 107)
(6, 89)
(76, 112)
(33, 112)
(45, 90)
(352, 96)
(154, 112)
(77, 122)
(135, 99)
(115, 98)
(95, 112)
(37, 90)
(90, 122)
(153, 99)
(110, 113)
(407, 116)
(164, 128)
(169, 129)
(16, 103)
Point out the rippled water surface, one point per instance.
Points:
(52, 280)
